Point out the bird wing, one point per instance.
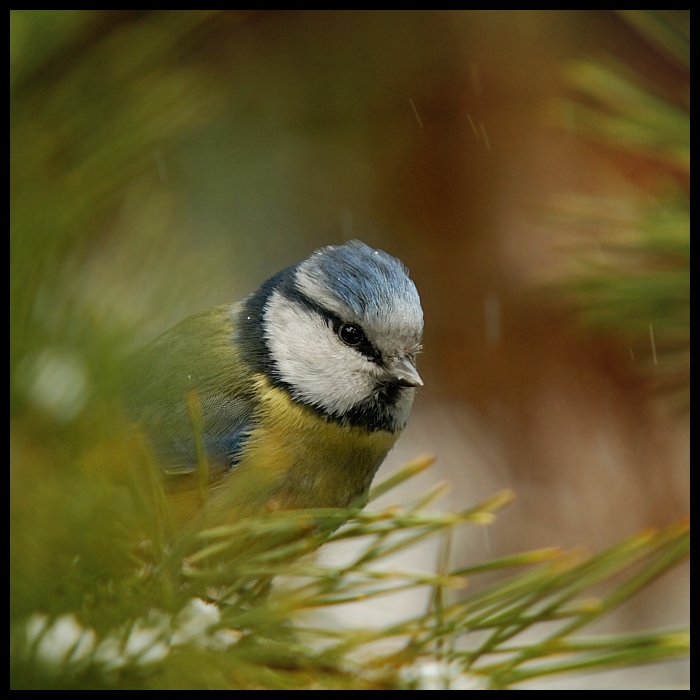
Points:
(193, 367)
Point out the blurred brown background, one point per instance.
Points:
(426, 133)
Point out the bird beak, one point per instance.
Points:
(404, 373)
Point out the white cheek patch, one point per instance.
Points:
(312, 360)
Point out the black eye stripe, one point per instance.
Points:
(361, 342)
(364, 346)
(351, 334)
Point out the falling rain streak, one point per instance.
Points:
(485, 136)
(415, 111)
(471, 121)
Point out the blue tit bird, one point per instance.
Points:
(303, 387)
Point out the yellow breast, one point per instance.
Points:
(297, 459)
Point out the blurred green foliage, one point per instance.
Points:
(201, 611)
(636, 280)
(94, 95)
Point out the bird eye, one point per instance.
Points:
(351, 334)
